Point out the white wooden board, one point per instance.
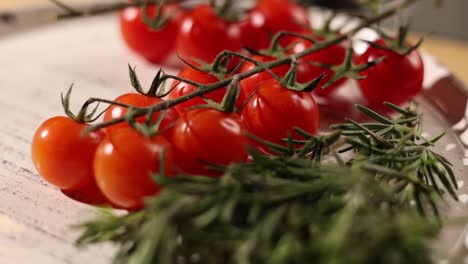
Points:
(35, 67)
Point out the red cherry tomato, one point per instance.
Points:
(275, 111)
(396, 79)
(139, 100)
(182, 88)
(307, 71)
(207, 136)
(268, 18)
(249, 84)
(62, 156)
(123, 164)
(91, 195)
(204, 34)
(154, 45)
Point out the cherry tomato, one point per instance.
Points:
(307, 71)
(207, 136)
(182, 88)
(275, 111)
(249, 84)
(139, 100)
(154, 45)
(396, 79)
(204, 34)
(91, 195)
(123, 164)
(62, 156)
(268, 18)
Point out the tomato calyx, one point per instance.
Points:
(148, 128)
(259, 63)
(159, 20)
(157, 87)
(289, 81)
(226, 10)
(276, 49)
(228, 104)
(219, 67)
(398, 44)
(225, 63)
(83, 116)
(348, 69)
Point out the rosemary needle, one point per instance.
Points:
(379, 206)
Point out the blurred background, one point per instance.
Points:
(451, 20)
(449, 24)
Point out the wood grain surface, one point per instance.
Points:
(35, 218)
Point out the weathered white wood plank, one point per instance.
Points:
(36, 66)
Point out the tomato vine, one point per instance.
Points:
(203, 89)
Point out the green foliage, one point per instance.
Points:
(377, 203)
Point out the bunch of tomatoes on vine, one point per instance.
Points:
(250, 82)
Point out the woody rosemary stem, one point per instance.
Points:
(204, 89)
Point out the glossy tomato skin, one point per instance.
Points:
(62, 156)
(306, 71)
(275, 111)
(396, 79)
(91, 195)
(182, 88)
(249, 84)
(139, 100)
(203, 34)
(123, 164)
(154, 45)
(207, 135)
(268, 18)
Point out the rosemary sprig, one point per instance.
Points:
(367, 207)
